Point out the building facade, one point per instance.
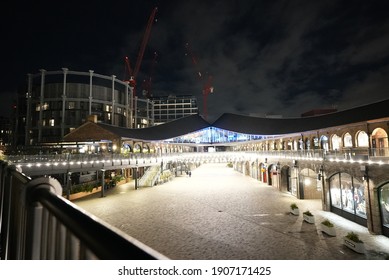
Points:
(341, 158)
(172, 107)
(59, 101)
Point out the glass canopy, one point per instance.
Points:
(213, 135)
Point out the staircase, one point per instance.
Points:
(150, 176)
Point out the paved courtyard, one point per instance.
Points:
(219, 213)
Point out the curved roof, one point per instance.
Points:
(232, 122)
(277, 126)
(164, 131)
(99, 131)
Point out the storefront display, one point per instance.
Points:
(384, 204)
(347, 194)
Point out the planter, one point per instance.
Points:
(328, 230)
(295, 211)
(309, 218)
(82, 194)
(358, 247)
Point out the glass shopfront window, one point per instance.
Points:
(359, 198)
(384, 205)
(348, 194)
(335, 191)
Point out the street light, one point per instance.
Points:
(102, 182)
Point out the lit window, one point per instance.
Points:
(363, 139)
(71, 105)
(52, 122)
(43, 107)
(336, 142)
(348, 140)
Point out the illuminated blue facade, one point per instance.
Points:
(214, 135)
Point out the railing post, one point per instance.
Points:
(5, 214)
(35, 224)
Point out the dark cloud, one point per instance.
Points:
(265, 57)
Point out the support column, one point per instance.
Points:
(40, 122)
(152, 114)
(135, 112)
(90, 91)
(65, 72)
(113, 100)
(28, 113)
(127, 106)
(132, 107)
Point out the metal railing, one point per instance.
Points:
(35, 165)
(37, 223)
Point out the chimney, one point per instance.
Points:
(92, 118)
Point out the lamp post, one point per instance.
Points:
(68, 184)
(136, 176)
(366, 180)
(102, 182)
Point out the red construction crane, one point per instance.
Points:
(146, 87)
(206, 84)
(128, 73)
(133, 73)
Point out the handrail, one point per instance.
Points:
(36, 222)
(103, 240)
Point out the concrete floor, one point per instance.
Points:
(220, 214)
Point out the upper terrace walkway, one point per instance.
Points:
(35, 165)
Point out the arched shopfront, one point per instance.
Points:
(379, 142)
(324, 143)
(347, 195)
(383, 196)
(285, 178)
(309, 186)
(263, 173)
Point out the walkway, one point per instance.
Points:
(219, 213)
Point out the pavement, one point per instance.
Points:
(221, 214)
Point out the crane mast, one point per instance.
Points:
(148, 82)
(144, 41)
(206, 84)
(132, 74)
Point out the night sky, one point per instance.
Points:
(266, 57)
